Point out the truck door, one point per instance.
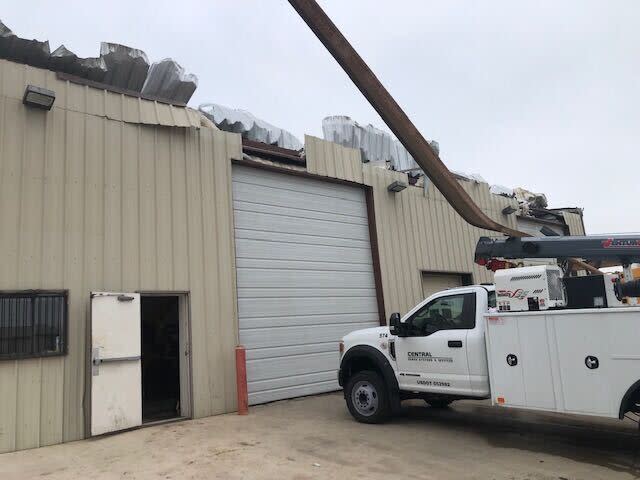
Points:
(433, 355)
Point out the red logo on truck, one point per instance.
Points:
(519, 293)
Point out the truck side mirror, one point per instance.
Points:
(395, 326)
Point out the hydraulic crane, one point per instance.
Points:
(601, 250)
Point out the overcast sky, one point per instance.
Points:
(539, 94)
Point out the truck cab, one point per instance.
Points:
(436, 352)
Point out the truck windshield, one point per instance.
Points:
(492, 299)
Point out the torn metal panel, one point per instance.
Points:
(167, 79)
(118, 66)
(376, 145)
(126, 67)
(249, 126)
(64, 60)
(31, 52)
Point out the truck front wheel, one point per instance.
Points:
(367, 397)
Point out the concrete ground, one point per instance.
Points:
(315, 437)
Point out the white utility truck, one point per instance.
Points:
(538, 339)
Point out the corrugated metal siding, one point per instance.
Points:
(88, 203)
(417, 231)
(329, 159)
(14, 77)
(574, 222)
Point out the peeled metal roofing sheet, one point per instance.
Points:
(167, 79)
(376, 145)
(118, 66)
(249, 126)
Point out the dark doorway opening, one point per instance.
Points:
(160, 358)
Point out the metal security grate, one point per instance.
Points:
(32, 324)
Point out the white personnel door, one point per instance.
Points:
(116, 377)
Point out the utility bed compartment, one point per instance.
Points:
(573, 361)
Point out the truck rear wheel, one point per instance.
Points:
(367, 397)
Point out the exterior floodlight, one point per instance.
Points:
(38, 97)
(397, 186)
(508, 210)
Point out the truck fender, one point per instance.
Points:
(633, 389)
(375, 357)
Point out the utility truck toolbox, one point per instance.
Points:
(572, 361)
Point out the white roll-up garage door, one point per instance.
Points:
(304, 276)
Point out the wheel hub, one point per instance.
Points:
(365, 398)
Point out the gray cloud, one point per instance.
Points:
(542, 94)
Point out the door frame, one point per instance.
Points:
(184, 319)
(184, 322)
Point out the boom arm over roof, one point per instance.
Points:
(394, 116)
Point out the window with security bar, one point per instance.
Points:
(32, 324)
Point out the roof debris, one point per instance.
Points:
(249, 126)
(118, 66)
(376, 145)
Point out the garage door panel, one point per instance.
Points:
(256, 278)
(262, 197)
(267, 264)
(292, 392)
(283, 336)
(252, 234)
(305, 279)
(304, 292)
(291, 251)
(288, 183)
(281, 367)
(302, 226)
(305, 349)
(300, 320)
(272, 307)
(292, 381)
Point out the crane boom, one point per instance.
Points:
(398, 121)
(395, 118)
(600, 249)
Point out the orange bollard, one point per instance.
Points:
(241, 380)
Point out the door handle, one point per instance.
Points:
(455, 343)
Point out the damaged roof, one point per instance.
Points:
(118, 66)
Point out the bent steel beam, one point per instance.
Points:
(394, 116)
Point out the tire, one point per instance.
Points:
(367, 397)
(439, 402)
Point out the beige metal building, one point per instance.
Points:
(108, 192)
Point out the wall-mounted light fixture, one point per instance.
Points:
(397, 186)
(38, 97)
(508, 210)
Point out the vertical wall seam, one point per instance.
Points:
(139, 202)
(20, 184)
(155, 201)
(172, 216)
(122, 193)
